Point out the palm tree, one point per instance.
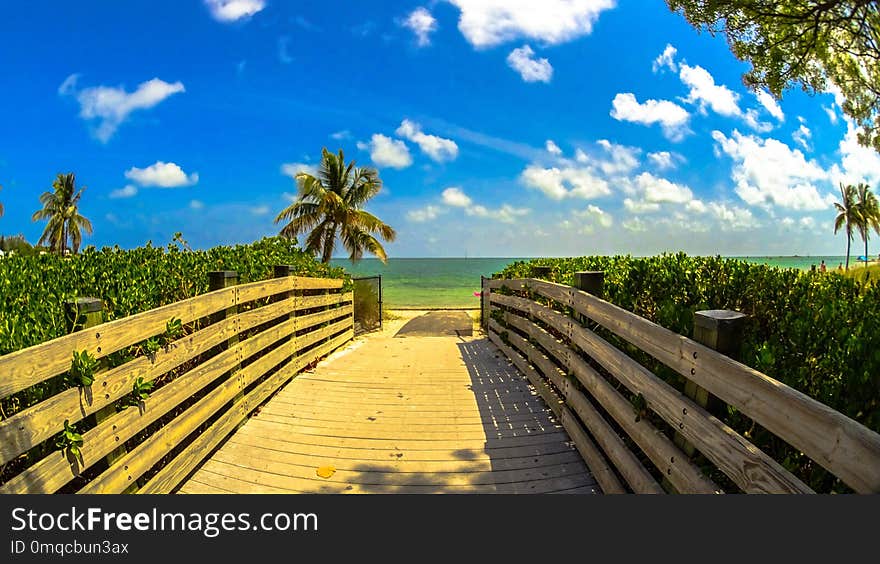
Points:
(1, 205)
(330, 205)
(868, 213)
(847, 215)
(60, 209)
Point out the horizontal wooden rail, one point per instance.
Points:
(841, 445)
(747, 466)
(299, 329)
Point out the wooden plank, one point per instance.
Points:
(629, 467)
(309, 302)
(745, 464)
(27, 367)
(176, 470)
(42, 421)
(145, 455)
(597, 463)
(248, 458)
(52, 472)
(308, 283)
(262, 289)
(841, 445)
(668, 458)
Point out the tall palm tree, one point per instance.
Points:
(868, 212)
(330, 205)
(60, 209)
(847, 215)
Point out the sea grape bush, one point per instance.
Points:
(33, 289)
(817, 332)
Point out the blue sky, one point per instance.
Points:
(499, 128)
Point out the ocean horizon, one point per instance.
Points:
(413, 282)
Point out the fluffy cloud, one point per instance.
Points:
(234, 10)
(732, 218)
(196, 204)
(770, 104)
(456, 197)
(565, 182)
(422, 24)
(858, 163)
(597, 215)
(486, 23)
(802, 136)
(640, 206)
(664, 160)
(437, 148)
(291, 169)
(659, 190)
(530, 68)
(768, 172)
(385, 151)
(505, 214)
(428, 213)
(704, 92)
(111, 106)
(666, 59)
(635, 224)
(552, 147)
(671, 117)
(126, 192)
(623, 159)
(162, 175)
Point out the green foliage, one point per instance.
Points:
(33, 288)
(811, 43)
(816, 332)
(140, 390)
(366, 303)
(70, 442)
(82, 369)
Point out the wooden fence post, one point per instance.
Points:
(217, 280)
(83, 314)
(281, 271)
(484, 304)
(720, 330)
(592, 282)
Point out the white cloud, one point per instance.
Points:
(808, 222)
(423, 24)
(196, 204)
(832, 115)
(704, 92)
(260, 210)
(770, 104)
(437, 148)
(696, 206)
(659, 190)
(768, 172)
(111, 106)
(751, 118)
(428, 213)
(505, 214)
(291, 169)
(283, 54)
(733, 218)
(565, 182)
(486, 23)
(456, 197)
(596, 214)
(802, 136)
(234, 10)
(162, 175)
(640, 206)
(635, 224)
(858, 163)
(341, 135)
(552, 147)
(671, 117)
(664, 160)
(623, 159)
(530, 68)
(385, 151)
(665, 59)
(126, 192)
(580, 156)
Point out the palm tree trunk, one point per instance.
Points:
(848, 241)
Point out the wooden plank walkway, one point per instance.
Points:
(401, 415)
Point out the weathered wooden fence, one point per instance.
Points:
(545, 329)
(211, 359)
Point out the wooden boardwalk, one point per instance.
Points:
(393, 414)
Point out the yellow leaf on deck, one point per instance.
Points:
(326, 471)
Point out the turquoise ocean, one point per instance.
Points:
(451, 282)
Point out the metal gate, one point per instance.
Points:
(367, 303)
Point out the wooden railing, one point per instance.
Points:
(590, 384)
(236, 346)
